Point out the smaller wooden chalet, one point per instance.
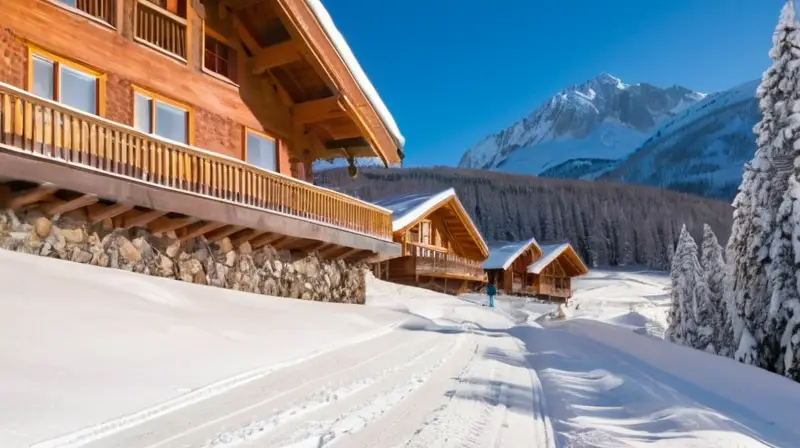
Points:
(526, 268)
(442, 248)
(507, 265)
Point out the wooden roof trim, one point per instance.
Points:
(302, 19)
(463, 217)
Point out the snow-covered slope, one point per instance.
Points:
(602, 118)
(701, 150)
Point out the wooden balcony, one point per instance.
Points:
(103, 10)
(438, 263)
(50, 132)
(161, 29)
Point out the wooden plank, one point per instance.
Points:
(68, 206)
(263, 240)
(98, 212)
(200, 228)
(27, 197)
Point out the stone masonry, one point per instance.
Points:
(263, 271)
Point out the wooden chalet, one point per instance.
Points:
(526, 268)
(442, 249)
(201, 117)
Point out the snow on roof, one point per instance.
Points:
(352, 64)
(501, 255)
(549, 253)
(407, 209)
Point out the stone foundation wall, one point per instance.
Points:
(263, 271)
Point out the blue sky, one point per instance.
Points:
(453, 71)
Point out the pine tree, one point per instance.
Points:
(713, 264)
(763, 185)
(687, 291)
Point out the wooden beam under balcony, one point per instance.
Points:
(60, 207)
(200, 228)
(318, 110)
(245, 236)
(164, 225)
(275, 56)
(135, 218)
(31, 196)
(98, 212)
(224, 232)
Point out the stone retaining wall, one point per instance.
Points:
(263, 271)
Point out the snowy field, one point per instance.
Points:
(101, 358)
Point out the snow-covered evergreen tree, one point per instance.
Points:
(760, 194)
(687, 291)
(713, 263)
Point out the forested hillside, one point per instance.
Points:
(608, 223)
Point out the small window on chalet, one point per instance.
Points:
(220, 58)
(66, 83)
(164, 118)
(261, 151)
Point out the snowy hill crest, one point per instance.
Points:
(601, 118)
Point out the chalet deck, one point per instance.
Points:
(201, 118)
(526, 268)
(441, 247)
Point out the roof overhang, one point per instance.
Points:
(531, 243)
(567, 252)
(313, 24)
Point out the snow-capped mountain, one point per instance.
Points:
(701, 150)
(602, 118)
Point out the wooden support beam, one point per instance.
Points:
(263, 240)
(140, 219)
(239, 4)
(247, 39)
(224, 232)
(347, 254)
(356, 142)
(244, 236)
(318, 110)
(60, 207)
(274, 56)
(98, 212)
(342, 131)
(332, 250)
(200, 228)
(164, 225)
(31, 196)
(283, 243)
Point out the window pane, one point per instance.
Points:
(141, 113)
(78, 90)
(170, 122)
(73, 3)
(42, 77)
(261, 152)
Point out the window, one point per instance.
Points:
(261, 151)
(156, 115)
(219, 57)
(65, 82)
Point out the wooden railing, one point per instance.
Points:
(432, 262)
(47, 129)
(104, 10)
(160, 28)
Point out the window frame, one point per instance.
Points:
(208, 31)
(58, 62)
(261, 134)
(166, 100)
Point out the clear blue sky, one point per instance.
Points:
(454, 71)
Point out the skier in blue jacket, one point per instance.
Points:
(491, 291)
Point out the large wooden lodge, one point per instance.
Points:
(203, 118)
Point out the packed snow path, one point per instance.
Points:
(411, 369)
